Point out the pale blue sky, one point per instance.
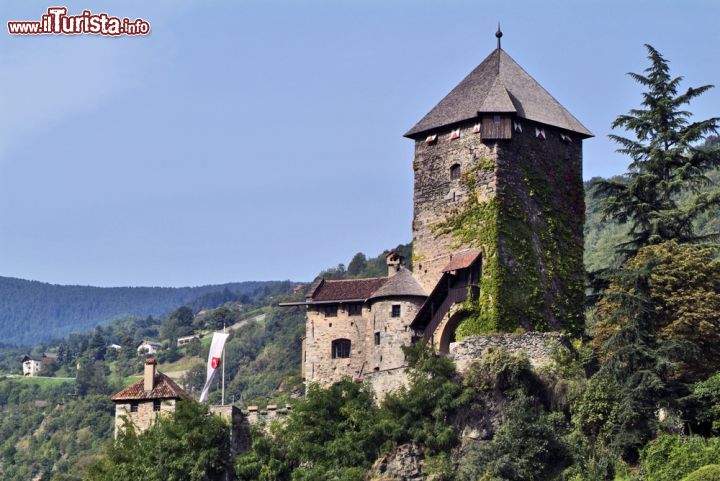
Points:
(250, 140)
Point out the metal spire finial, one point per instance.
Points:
(498, 34)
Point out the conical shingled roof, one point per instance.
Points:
(499, 85)
(403, 283)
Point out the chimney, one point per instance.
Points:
(149, 377)
(394, 262)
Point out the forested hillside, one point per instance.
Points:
(602, 236)
(32, 311)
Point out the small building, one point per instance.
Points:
(356, 327)
(185, 340)
(149, 347)
(115, 347)
(31, 365)
(141, 402)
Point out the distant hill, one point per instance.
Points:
(32, 311)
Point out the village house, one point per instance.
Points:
(185, 340)
(148, 347)
(142, 401)
(31, 366)
(522, 154)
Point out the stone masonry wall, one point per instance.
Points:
(320, 332)
(394, 333)
(537, 346)
(145, 415)
(365, 356)
(541, 218)
(435, 194)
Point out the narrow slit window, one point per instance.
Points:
(377, 338)
(455, 172)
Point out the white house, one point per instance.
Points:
(31, 366)
(149, 347)
(185, 340)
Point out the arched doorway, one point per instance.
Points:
(445, 333)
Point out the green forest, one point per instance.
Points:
(32, 311)
(636, 397)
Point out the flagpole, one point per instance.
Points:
(223, 371)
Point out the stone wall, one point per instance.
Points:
(436, 194)
(366, 356)
(321, 331)
(145, 415)
(540, 234)
(386, 381)
(537, 346)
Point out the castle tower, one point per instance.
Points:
(498, 174)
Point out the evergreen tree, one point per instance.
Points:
(667, 160)
(639, 363)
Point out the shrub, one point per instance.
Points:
(711, 472)
(670, 458)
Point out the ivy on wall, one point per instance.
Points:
(532, 276)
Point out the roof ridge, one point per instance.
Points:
(356, 279)
(564, 111)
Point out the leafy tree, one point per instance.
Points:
(711, 472)
(187, 445)
(194, 379)
(91, 378)
(423, 410)
(670, 458)
(527, 446)
(642, 365)
(683, 304)
(357, 264)
(179, 323)
(666, 161)
(334, 433)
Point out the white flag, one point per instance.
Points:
(214, 359)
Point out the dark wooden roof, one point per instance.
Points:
(498, 85)
(165, 388)
(462, 261)
(347, 289)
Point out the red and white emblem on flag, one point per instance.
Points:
(215, 362)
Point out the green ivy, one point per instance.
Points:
(532, 264)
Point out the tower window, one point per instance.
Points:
(354, 309)
(395, 312)
(455, 172)
(331, 310)
(496, 119)
(340, 348)
(156, 405)
(377, 338)
(133, 407)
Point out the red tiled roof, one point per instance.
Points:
(462, 261)
(347, 289)
(165, 388)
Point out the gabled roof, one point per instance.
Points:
(401, 284)
(462, 261)
(165, 388)
(499, 85)
(347, 289)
